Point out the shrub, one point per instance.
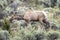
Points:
(3, 4)
(58, 3)
(39, 36)
(8, 10)
(53, 35)
(16, 38)
(54, 26)
(29, 37)
(4, 35)
(21, 10)
(56, 15)
(6, 24)
(51, 10)
(1, 23)
(23, 23)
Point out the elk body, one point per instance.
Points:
(35, 15)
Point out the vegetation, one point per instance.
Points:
(20, 29)
(4, 35)
(6, 24)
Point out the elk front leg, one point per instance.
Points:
(42, 24)
(41, 21)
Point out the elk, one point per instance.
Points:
(35, 15)
(41, 16)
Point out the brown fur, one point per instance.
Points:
(30, 15)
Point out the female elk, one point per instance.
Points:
(35, 15)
